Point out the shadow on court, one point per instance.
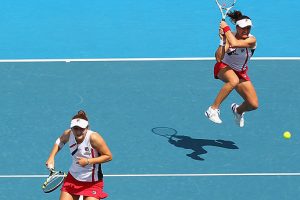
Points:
(187, 142)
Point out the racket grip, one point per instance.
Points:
(51, 170)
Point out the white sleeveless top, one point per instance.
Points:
(237, 58)
(89, 173)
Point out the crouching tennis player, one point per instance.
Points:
(88, 150)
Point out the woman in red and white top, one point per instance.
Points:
(232, 55)
(88, 150)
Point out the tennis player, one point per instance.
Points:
(232, 55)
(88, 150)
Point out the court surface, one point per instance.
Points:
(125, 100)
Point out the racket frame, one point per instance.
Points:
(49, 178)
(157, 132)
(224, 10)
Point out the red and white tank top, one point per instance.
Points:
(237, 58)
(89, 173)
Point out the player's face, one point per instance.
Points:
(243, 32)
(77, 131)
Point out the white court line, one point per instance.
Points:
(134, 59)
(107, 59)
(166, 175)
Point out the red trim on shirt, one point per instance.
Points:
(93, 170)
(244, 65)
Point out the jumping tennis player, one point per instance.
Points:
(232, 55)
(88, 150)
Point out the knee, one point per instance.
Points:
(234, 82)
(253, 105)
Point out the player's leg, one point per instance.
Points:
(228, 76)
(90, 198)
(231, 80)
(248, 93)
(67, 196)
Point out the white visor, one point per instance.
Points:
(243, 23)
(79, 122)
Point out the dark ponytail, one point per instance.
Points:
(236, 16)
(81, 114)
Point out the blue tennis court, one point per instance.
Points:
(139, 66)
(125, 101)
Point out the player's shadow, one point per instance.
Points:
(196, 145)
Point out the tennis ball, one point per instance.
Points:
(287, 135)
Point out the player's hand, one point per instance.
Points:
(50, 163)
(82, 161)
(223, 24)
(221, 34)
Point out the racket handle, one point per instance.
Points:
(51, 170)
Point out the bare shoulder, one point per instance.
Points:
(95, 136)
(67, 132)
(98, 143)
(97, 140)
(65, 136)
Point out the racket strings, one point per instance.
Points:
(226, 3)
(164, 131)
(54, 181)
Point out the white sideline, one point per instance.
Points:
(133, 59)
(168, 175)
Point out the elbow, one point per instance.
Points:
(110, 157)
(218, 58)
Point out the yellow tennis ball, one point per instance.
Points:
(287, 135)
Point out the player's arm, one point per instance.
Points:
(99, 144)
(59, 143)
(223, 46)
(235, 43)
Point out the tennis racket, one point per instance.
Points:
(225, 6)
(166, 132)
(54, 180)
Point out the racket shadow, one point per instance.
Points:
(194, 144)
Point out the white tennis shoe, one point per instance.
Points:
(239, 119)
(213, 115)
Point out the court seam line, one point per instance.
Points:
(167, 175)
(135, 59)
